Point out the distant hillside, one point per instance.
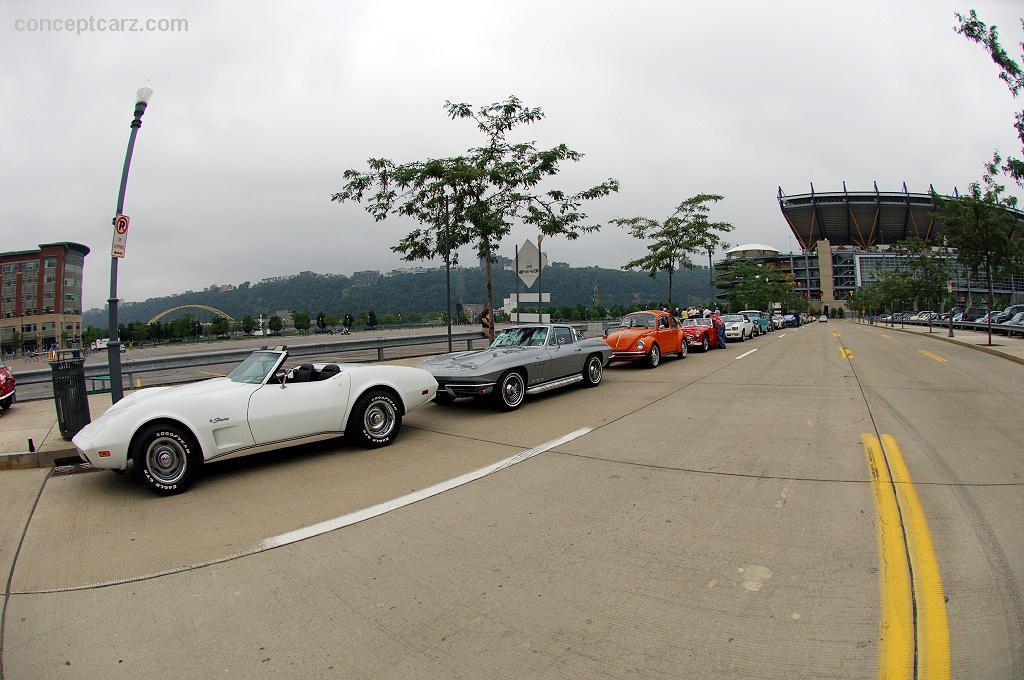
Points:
(424, 292)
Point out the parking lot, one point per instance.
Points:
(713, 517)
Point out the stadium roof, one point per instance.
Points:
(864, 218)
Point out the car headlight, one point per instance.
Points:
(639, 344)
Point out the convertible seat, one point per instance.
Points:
(328, 371)
(303, 373)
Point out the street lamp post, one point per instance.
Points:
(447, 275)
(142, 97)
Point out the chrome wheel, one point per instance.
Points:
(512, 390)
(166, 460)
(654, 358)
(594, 372)
(379, 418)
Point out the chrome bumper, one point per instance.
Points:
(467, 390)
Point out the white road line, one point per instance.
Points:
(402, 501)
(745, 354)
(783, 335)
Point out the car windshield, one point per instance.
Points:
(255, 368)
(527, 336)
(690, 322)
(638, 321)
(732, 317)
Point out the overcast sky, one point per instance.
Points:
(260, 106)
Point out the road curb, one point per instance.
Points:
(26, 460)
(954, 341)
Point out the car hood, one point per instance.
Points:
(153, 396)
(473, 360)
(625, 338)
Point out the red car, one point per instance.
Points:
(700, 333)
(7, 384)
(646, 336)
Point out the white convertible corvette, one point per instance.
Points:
(170, 432)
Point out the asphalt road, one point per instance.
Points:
(827, 506)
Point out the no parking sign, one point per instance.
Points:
(120, 236)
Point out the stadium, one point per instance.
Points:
(846, 239)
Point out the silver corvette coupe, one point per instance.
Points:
(522, 360)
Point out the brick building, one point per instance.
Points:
(41, 297)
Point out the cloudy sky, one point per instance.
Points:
(260, 106)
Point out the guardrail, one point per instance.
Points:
(131, 367)
(1001, 328)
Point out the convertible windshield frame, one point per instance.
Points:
(258, 367)
(521, 336)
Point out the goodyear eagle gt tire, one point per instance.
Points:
(375, 419)
(167, 459)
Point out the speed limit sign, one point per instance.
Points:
(120, 236)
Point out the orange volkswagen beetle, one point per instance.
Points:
(646, 336)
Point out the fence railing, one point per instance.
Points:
(132, 367)
(1001, 328)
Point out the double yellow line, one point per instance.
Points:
(914, 626)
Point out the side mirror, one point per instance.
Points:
(281, 377)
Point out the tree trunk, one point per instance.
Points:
(670, 289)
(988, 317)
(490, 291)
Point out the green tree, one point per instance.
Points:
(473, 199)
(275, 324)
(248, 324)
(1010, 72)
(301, 320)
(685, 232)
(929, 271)
(981, 227)
(220, 326)
(746, 285)
(371, 319)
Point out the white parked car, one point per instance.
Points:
(777, 321)
(171, 432)
(737, 327)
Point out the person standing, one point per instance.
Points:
(719, 325)
(487, 323)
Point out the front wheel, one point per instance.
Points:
(166, 459)
(743, 336)
(705, 345)
(593, 371)
(7, 403)
(510, 391)
(375, 419)
(654, 357)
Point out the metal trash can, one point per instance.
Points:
(69, 396)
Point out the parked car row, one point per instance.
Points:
(169, 433)
(1012, 315)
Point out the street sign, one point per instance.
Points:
(120, 242)
(529, 263)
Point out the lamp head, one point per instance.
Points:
(144, 94)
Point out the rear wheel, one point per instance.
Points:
(654, 357)
(510, 391)
(166, 459)
(593, 371)
(376, 419)
(682, 349)
(443, 397)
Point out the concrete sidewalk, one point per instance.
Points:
(37, 421)
(1002, 346)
